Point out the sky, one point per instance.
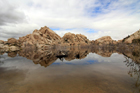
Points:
(92, 18)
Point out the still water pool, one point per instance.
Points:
(81, 71)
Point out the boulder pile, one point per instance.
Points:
(45, 38)
(40, 38)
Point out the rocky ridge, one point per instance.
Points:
(132, 38)
(45, 38)
(40, 38)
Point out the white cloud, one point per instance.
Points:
(10, 13)
(17, 30)
(117, 18)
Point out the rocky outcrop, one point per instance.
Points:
(130, 38)
(46, 38)
(12, 41)
(73, 39)
(104, 40)
(10, 45)
(40, 38)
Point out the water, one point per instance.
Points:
(82, 71)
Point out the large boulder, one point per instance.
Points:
(73, 39)
(130, 38)
(82, 38)
(12, 41)
(104, 40)
(69, 38)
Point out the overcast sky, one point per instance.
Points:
(93, 18)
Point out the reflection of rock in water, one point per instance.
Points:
(2, 52)
(47, 57)
(12, 54)
(104, 53)
(134, 70)
(135, 56)
(44, 58)
(77, 53)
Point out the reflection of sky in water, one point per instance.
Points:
(92, 58)
(93, 72)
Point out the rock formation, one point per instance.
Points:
(12, 41)
(73, 39)
(104, 40)
(40, 38)
(46, 38)
(130, 38)
(43, 39)
(10, 45)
